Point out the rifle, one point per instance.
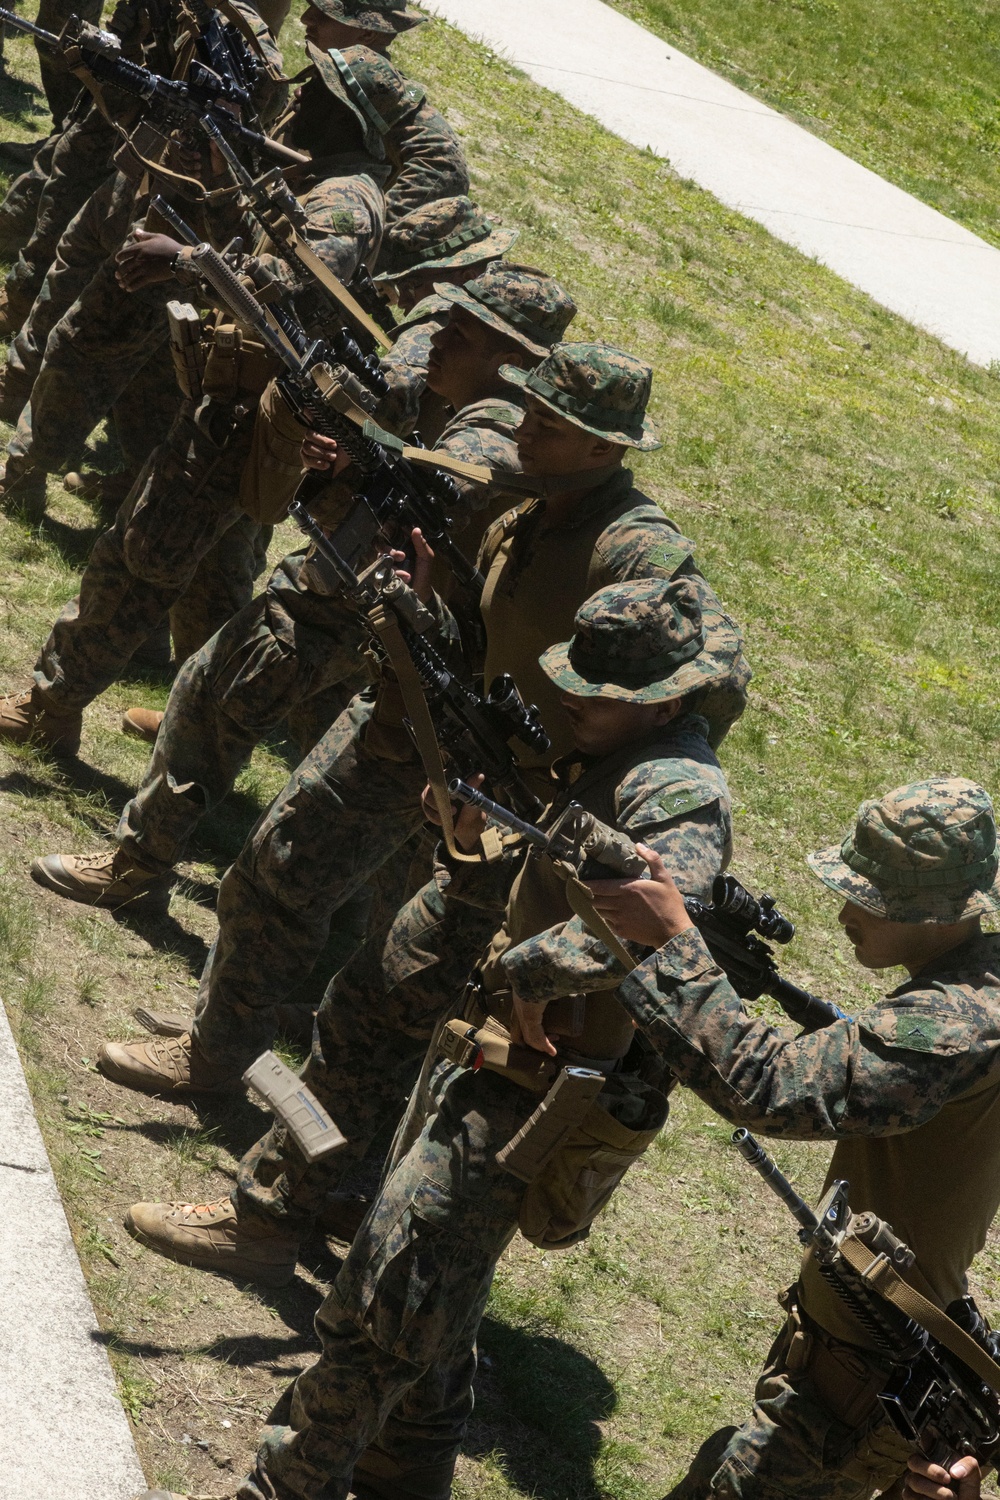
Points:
(396, 492)
(170, 102)
(473, 729)
(941, 1390)
(600, 852)
(284, 221)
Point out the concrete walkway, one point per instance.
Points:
(907, 256)
(63, 1434)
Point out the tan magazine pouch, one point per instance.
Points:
(273, 470)
(559, 1207)
(236, 366)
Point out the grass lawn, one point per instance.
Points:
(839, 471)
(908, 89)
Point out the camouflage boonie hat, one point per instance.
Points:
(441, 235)
(519, 301)
(369, 15)
(923, 853)
(596, 387)
(369, 85)
(642, 642)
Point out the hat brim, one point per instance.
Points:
(645, 444)
(460, 297)
(910, 906)
(385, 22)
(716, 659)
(493, 247)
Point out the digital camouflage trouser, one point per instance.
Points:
(94, 233)
(78, 163)
(398, 1329)
(19, 209)
(60, 85)
(372, 1030)
(182, 508)
(817, 1431)
(344, 814)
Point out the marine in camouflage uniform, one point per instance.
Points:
(381, 1009)
(187, 497)
(450, 241)
(71, 165)
(86, 339)
(398, 1329)
(910, 1091)
(355, 801)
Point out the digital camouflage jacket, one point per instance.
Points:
(910, 1090)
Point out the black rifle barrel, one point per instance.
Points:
(463, 792)
(758, 1158)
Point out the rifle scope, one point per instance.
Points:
(747, 913)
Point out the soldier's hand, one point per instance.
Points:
(423, 561)
(650, 912)
(144, 259)
(469, 821)
(927, 1481)
(319, 452)
(528, 1026)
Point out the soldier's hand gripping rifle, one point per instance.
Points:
(941, 1394)
(396, 493)
(169, 103)
(600, 853)
(474, 730)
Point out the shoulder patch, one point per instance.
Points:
(918, 1032)
(686, 799)
(668, 557)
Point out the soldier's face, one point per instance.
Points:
(548, 444)
(465, 357)
(327, 31)
(881, 944)
(602, 725)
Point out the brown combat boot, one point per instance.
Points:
(112, 879)
(13, 312)
(163, 1065)
(142, 723)
(27, 717)
(212, 1237)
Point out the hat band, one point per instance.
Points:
(455, 242)
(961, 876)
(356, 92)
(591, 412)
(510, 314)
(595, 665)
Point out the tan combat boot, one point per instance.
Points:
(210, 1236)
(163, 1065)
(142, 723)
(26, 717)
(112, 879)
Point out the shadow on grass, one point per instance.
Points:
(540, 1403)
(21, 102)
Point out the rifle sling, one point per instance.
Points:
(386, 627)
(531, 485)
(311, 262)
(887, 1282)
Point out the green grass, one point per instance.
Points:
(839, 472)
(908, 89)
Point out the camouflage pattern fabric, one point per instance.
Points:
(794, 1444)
(642, 642)
(595, 386)
(924, 853)
(183, 503)
(342, 815)
(385, 18)
(60, 85)
(405, 1309)
(517, 301)
(19, 208)
(441, 235)
(80, 162)
(405, 368)
(380, 1011)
